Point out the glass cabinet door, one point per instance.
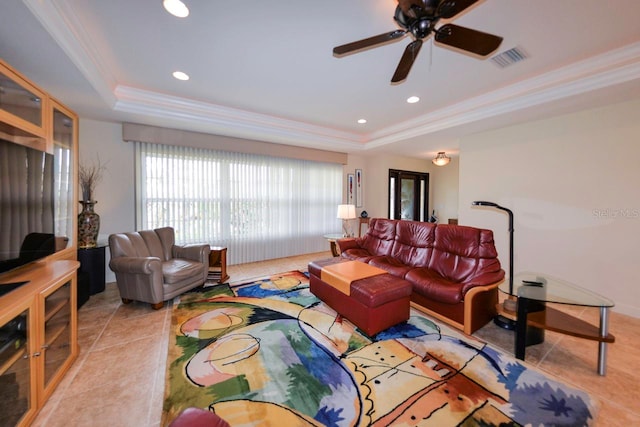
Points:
(15, 370)
(56, 345)
(63, 141)
(22, 102)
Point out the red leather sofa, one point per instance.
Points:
(454, 270)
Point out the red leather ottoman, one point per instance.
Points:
(374, 304)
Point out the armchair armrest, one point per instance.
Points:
(347, 243)
(136, 265)
(194, 252)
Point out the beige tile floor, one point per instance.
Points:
(118, 379)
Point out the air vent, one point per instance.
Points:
(510, 57)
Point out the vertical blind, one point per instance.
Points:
(259, 207)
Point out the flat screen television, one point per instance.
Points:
(26, 206)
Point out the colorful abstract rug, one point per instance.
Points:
(269, 353)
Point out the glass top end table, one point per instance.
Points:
(331, 238)
(533, 289)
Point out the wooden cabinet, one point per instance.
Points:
(38, 337)
(38, 320)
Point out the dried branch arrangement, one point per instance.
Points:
(89, 177)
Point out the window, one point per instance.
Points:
(259, 207)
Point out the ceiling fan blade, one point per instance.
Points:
(368, 43)
(450, 8)
(406, 62)
(473, 41)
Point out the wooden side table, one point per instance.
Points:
(361, 221)
(218, 264)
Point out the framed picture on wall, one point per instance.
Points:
(350, 188)
(358, 188)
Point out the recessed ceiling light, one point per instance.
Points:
(362, 121)
(413, 99)
(176, 8)
(180, 75)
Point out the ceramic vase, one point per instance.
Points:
(88, 225)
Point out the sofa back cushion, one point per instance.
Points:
(146, 243)
(461, 253)
(414, 243)
(380, 236)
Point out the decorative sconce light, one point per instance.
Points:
(441, 159)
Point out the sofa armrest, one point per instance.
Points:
(136, 265)
(347, 243)
(483, 279)
(194, 252)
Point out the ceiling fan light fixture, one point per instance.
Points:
(176, 8)
(441, 159)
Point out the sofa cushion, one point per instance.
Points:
(178, 269)
(391, 265)
(461, 253)
(357, 254)
(379, 238)
(414, 242)
(432, 285)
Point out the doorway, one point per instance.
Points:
(408, 195)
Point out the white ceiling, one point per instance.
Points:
(264, 69)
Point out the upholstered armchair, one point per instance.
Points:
(151, 268)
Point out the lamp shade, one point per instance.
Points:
(346, 211)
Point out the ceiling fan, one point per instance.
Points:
(419, 18)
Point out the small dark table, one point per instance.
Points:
(92, 262)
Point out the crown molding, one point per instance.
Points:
(232, 122)
(65, 27)
(608, 69)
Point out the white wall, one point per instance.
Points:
(115, 192)
(444, 190)
(573, 185)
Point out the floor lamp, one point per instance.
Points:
(510, 303)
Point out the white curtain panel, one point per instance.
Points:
(259, 207)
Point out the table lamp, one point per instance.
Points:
(346, 213)
(510, 303)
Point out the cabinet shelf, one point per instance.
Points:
(20, 353)
(53, 307)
